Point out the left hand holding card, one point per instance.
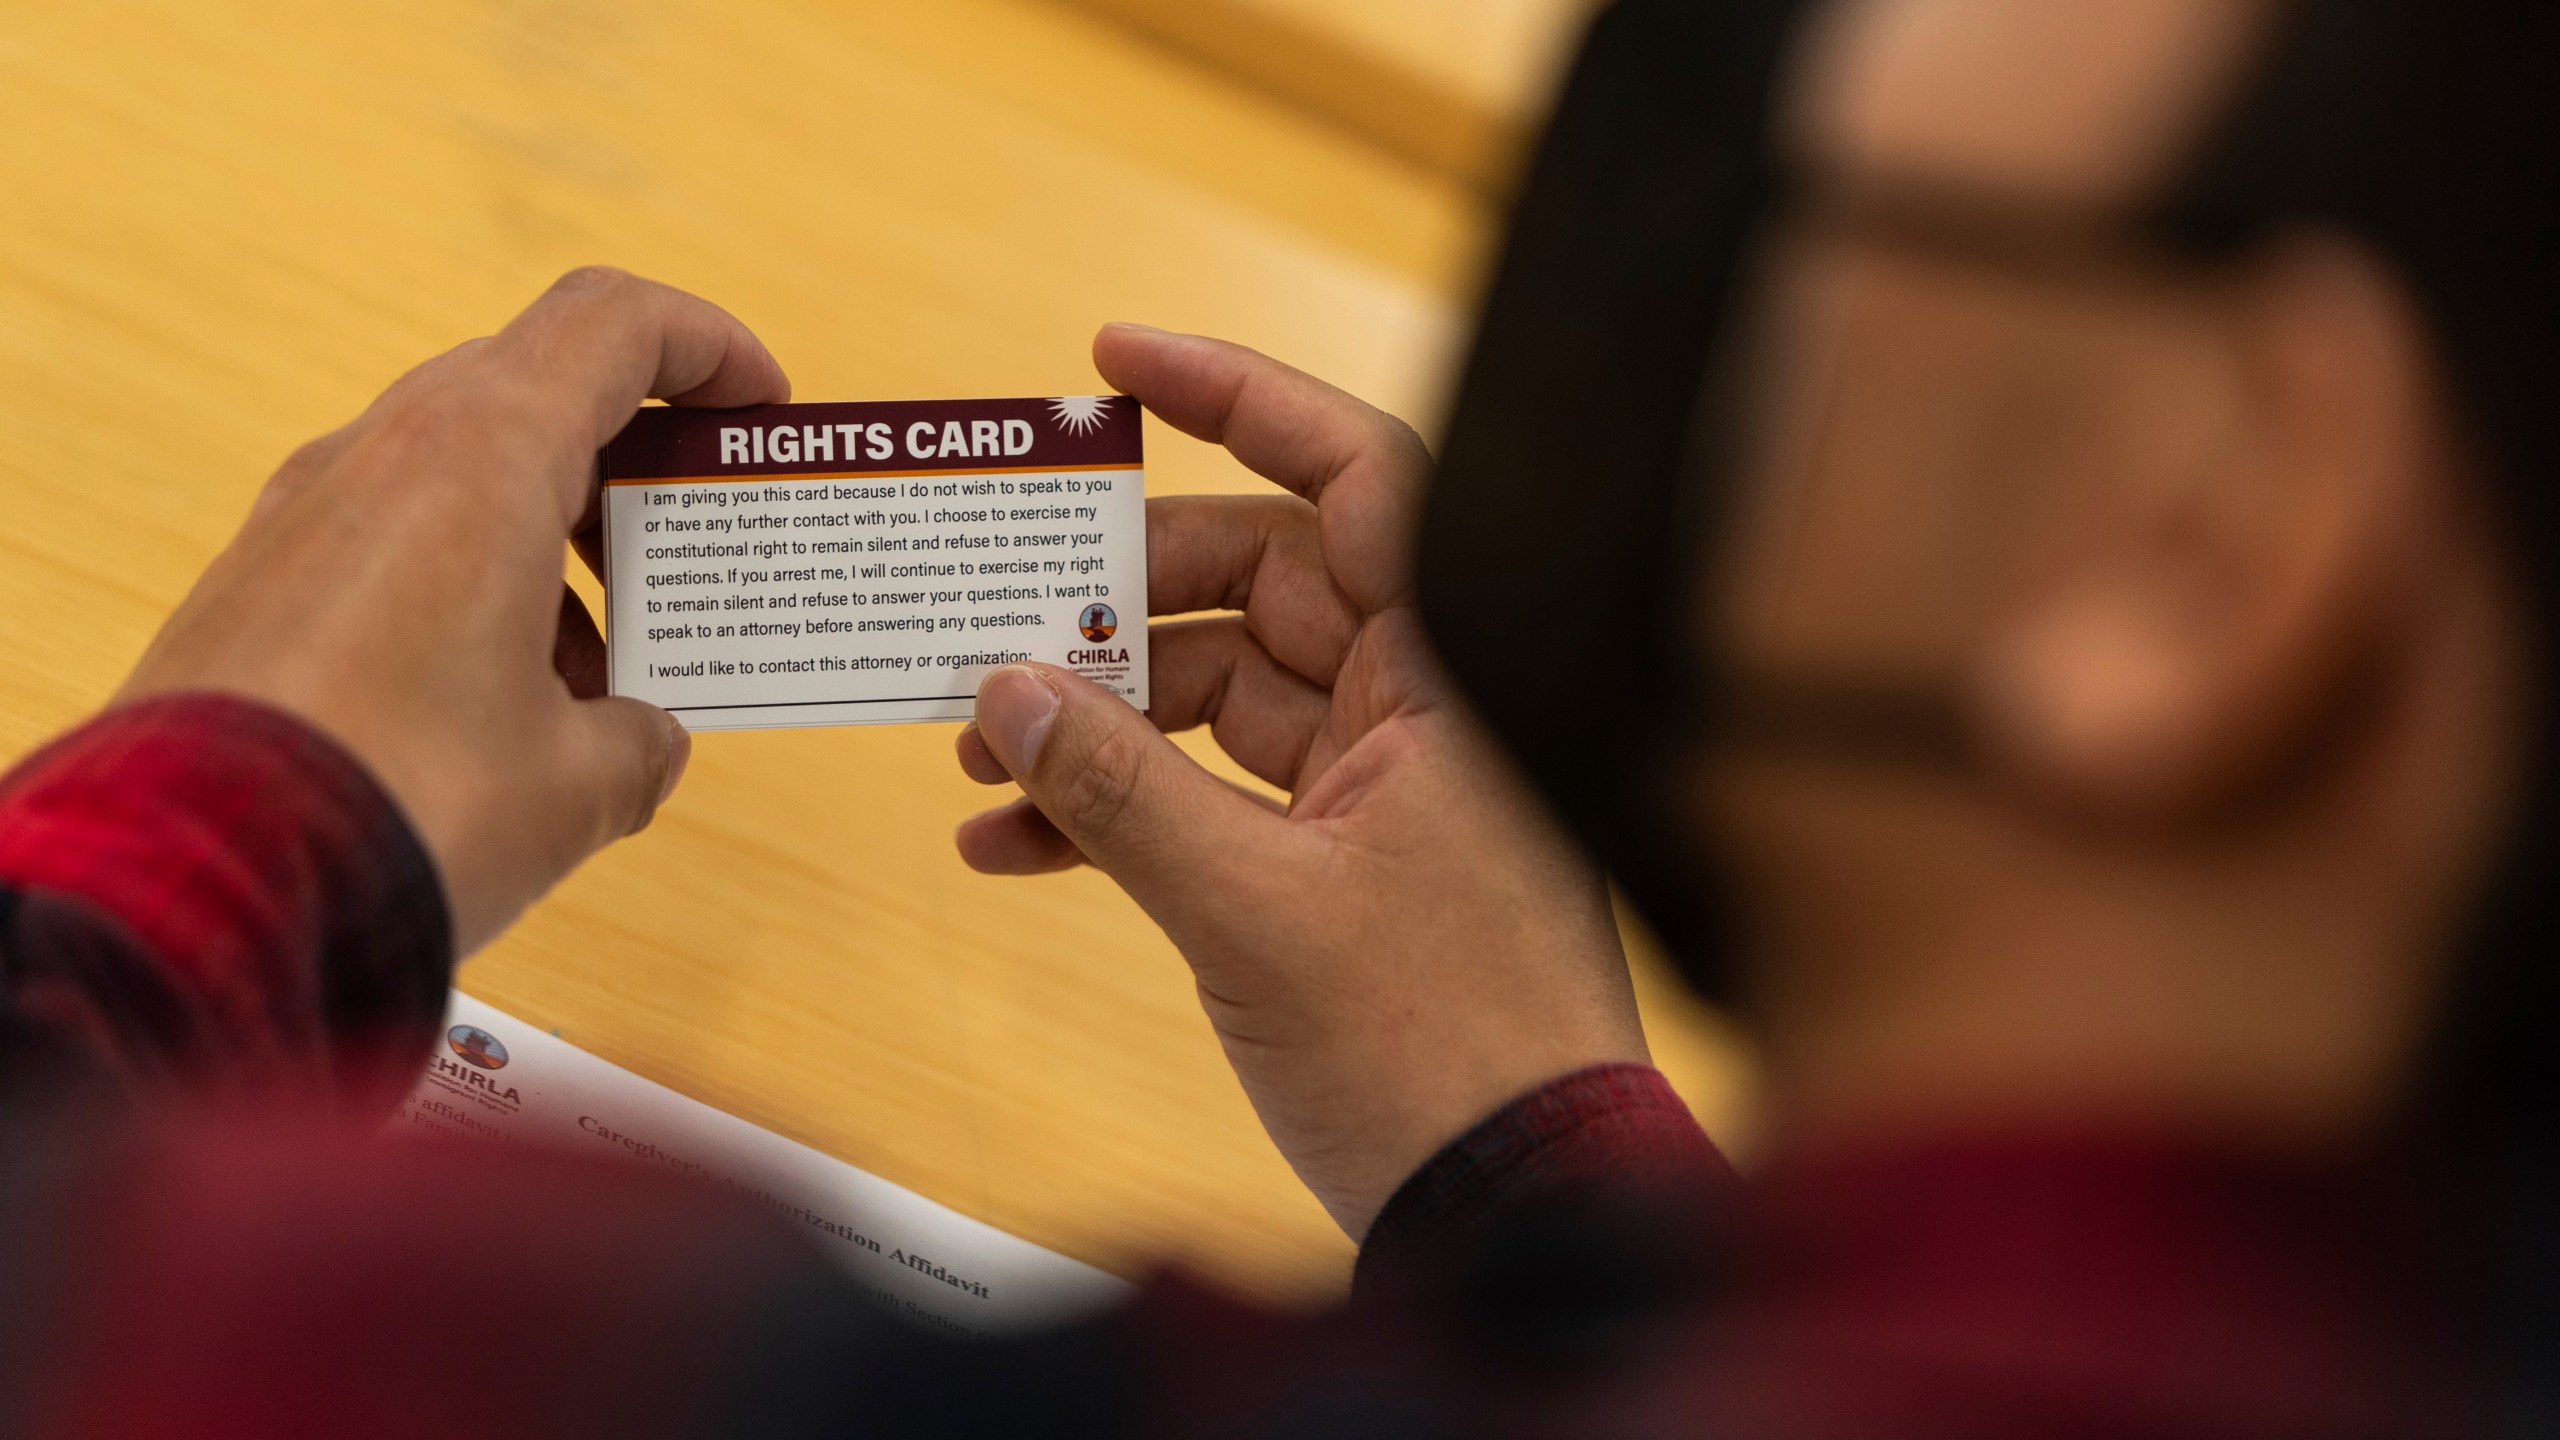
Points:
(397, 584)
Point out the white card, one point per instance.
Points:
(854, 564)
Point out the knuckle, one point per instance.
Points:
(482, 406)
(594, 280)
(461, 440)
(1104, 785)
(309, 456)
(590, 309)
(431, 423)
(306, 465)
(1407, 443)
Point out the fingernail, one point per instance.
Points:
(1133, 325)
(679, 755)
(1016, 705)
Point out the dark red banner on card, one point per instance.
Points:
(913, 437)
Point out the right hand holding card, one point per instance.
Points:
(1411, 942)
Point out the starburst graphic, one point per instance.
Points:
(1079, 414)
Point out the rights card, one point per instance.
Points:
(854, 564)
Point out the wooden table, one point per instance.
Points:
(226, 226)
(1455, 86)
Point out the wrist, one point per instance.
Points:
(1610, 1127)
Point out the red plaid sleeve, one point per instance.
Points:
(1610, 1130)
(200, 889)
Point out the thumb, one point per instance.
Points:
(1138, 807)
(631, 754)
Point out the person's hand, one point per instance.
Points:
(398, 585)
(1411, 943)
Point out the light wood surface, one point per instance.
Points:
(1455, 86)
(1498, 55)
(227, 226)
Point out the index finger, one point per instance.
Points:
(1364, 468)
(600, 341)
(1284, 424)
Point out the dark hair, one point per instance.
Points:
(2429, 130)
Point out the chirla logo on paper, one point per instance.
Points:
(477, 1046)
(1100, 623)
(471, 1077)
(1079, 414)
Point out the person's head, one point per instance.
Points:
(2108, 603)
(2186, 550)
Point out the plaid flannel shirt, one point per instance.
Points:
(224, 955)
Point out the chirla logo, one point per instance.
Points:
(1099, 623)
(477, 1046)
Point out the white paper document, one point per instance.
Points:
(496, 1078)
